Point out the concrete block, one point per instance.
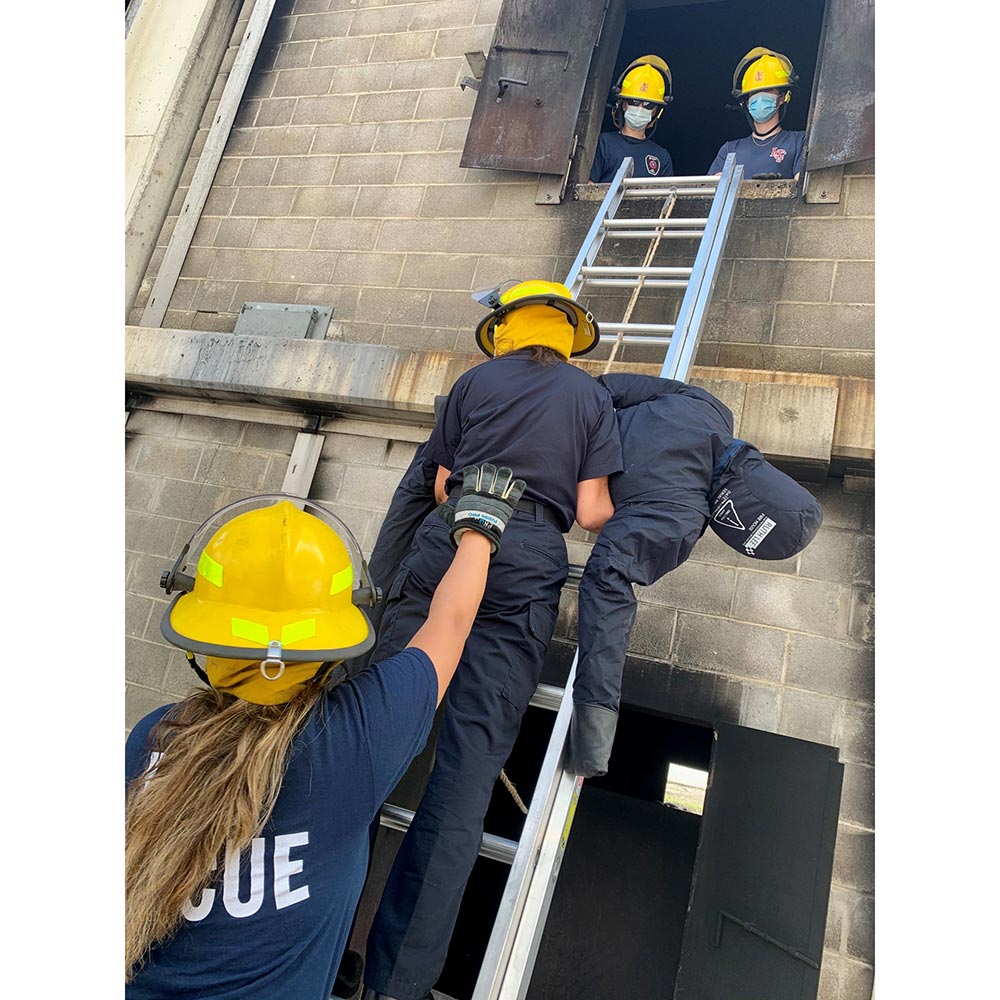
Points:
(354, 449)
(286, 140)
(807, 281)
(487, 11)
(314, 81)
(179, 680)
(401, 306)
(653, 631)
(241, 141)
(183, 296)
(840, 510)
(231, 468)
(729, 647)
(137, 612)
(454, 309)
(857, 363)
(854, 858)
(757, 238)
(332, 24)
(344, 138)
(459, 201)
(855, 732)
(421, 74)
(398, 105)
(367, 79)
(414, 236)
(204, 233)
(267, 437)
(328, 479)
(234, 265)
(376, 269)
(294, 55)
(400, 454)
(756, 280)
(317, 202)
(841, 326)
(153, 423)
(857, 800)
(760, 707)
(198, 263)
(712, 549)
(274, 474)
(829, 667)
(275, 111)
(693, 587)
(139, 702)
(140, 491)
(214, 321)
(454, 133)
(344, 51)
(861, 196)
(302, 170)
(399, 47)
(389, 201)
(739, 322)
(381, 20)
(345, 234)
(421, 338)
(303, 266)
(807, 716)
(788, 420)
(862, 627)
(168, 458)
(447, 102)
(456, 41)
(287, 234)
(404, 137)
(263, 201)
(854, 282)
(443, 14)
(343, 300)
(199, 428)
(431, 168)
(316, 111)
(380, 168)
(454, 271)
(259, 86)
(840, 557)
(707, 696)
(785, 602)
(832, 239)
(145, 662)
(857, 981)
(234, 233)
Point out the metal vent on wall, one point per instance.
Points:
(285, 320)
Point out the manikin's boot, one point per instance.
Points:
(348, 979)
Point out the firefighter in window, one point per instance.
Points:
(637, 102)
(762, 85)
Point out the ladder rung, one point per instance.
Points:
(636, 327)
(655, 223)
(706, 192)
(644, 339)
(641, 234)
(547, 696)
(497, 848)
(694, 180)
(610, 271)
(633, 282)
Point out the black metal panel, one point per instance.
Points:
(761, 886)
(842, 125)
(530, 92)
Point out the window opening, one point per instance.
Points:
(702, 43)
(685, 788)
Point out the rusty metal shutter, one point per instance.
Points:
(530, 92)
(842, 124)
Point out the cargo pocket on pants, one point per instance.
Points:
(526, 662)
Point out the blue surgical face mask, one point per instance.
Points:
(638, 117)
(762, 106)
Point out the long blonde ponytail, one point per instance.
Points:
(222, 764)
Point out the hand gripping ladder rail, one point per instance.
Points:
(535, 858)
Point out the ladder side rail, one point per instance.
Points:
(691, 314)
(595, 235)
(539, 820)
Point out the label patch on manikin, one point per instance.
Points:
(726, 514)
(763, 530)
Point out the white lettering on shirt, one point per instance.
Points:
(284, 868)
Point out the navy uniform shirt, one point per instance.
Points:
(783, 154)
(553, 425)
(276, 925)
(612, 147)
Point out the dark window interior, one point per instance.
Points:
(702, 43)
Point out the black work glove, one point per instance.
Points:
(766, 177)
(591, 735)
(489, 496)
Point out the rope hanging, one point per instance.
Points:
(509, 785)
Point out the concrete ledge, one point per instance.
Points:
(807, 423)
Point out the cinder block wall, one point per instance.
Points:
(341, 185)
(787, 644)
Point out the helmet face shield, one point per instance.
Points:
(273, 581)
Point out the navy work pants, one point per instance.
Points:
(640, 543)
(495, 679)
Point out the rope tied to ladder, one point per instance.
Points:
(665, 212)
(509, 785)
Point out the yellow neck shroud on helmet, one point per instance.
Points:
(534, 325)
(256, 682)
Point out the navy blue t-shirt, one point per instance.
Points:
(783, 155)
(553, 425)
(276, 927)
(612, 147)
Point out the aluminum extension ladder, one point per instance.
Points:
(536, 857)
